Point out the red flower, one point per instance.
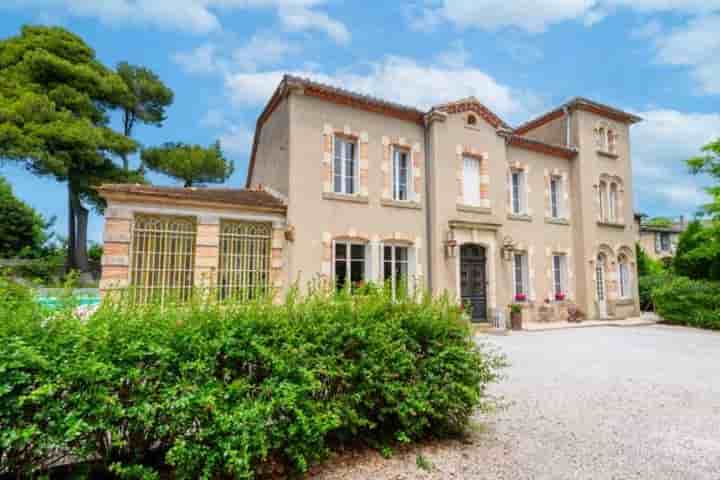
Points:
(520, 297)
(559, 296)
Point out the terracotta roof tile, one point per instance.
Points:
(229, 196)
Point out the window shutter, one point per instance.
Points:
(471, 181)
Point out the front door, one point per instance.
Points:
(473, 284)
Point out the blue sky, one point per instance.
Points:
(223, 58)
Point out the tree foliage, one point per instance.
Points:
(54, 102)
(698, 252)
(23, 231)
(146, 101)
(709, 163)
(193, 164)
(659, 222)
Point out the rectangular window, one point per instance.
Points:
(555, 197)
(395, 269)
(517, 191)
(624, 273)
(344, 166)
(401, 174)
(244, 260)
(471, 181)
(520, 276)
(349, 264)
(559, 275)
(664, 241)
(163, 258)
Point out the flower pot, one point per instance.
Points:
(516, 320)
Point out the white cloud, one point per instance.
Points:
(536, 15)
(261, 50)
(196, 16)
(236, 140)
(695, 45)
(201, 60)
(660, 145)
(398, 79)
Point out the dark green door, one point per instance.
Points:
(473, 280)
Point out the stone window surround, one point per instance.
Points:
(603, 216)
(463, 151)
(612, 288)
(516, 166)
(415, 182)
(570, 287)
(529, 250)
(564, 207)
(362, 139)
(374, 257)
(118, 240)
(606, 139)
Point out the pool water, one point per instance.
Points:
(54, 302)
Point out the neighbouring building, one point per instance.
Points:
(345, 187)
(659, 241)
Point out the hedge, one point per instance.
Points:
(694, 303)
(646, 285)
(212, 391)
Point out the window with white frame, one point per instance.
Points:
(401, 174)
(555, 196)
(520, 276)
(517, 192)
(611, 141)
(350, 263)
(602, 194)
(345, 166)
(396, 271)
(559, 276)
(624, 274)
(612, 202)
(471, 181)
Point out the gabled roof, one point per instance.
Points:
(531, 144)
(472, 104)
(257, 199)
(578, 103)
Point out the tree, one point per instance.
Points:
(659, 222)
(146, 100)
(24, 230)
(698, 252)
(54, 99)
(192, 164)
(709, 163)
(646, 266)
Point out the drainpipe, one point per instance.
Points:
(567, 127)
(428, 217)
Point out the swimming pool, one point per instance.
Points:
(55, 302)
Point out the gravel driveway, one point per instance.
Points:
(590, 403)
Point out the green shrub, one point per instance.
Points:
(695, 303)
(646, 287)
(212, 390)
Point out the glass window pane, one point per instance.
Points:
(340, 251)
(401, 254)
(357, 252)
(387, 271)
(357, 271)
(387, 253)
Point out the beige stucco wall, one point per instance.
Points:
(647, 242)
(553, 132)
(273, 149)
(317, 217)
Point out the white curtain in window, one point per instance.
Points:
(471, 180)
(624, 272)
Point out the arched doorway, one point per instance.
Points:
(473, 280)
(600, 285)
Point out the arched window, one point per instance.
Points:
(611, 137)
(601, 137)
(602, 194)
(624, 276)
(612, 202)
(600, 277)
(471, 120)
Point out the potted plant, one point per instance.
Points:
(515, 316)
(574, 313)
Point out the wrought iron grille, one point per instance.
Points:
(245, 251)
(163, 258)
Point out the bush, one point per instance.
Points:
(213, 390)
(695, 303)
(646, 286)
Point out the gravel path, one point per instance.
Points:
(592, 403)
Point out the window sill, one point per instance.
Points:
(625, 301)
(386, 202)
(607, 154)
(557, 221)
(343, 197)
(519, 217)
(619, 226)
(461, 207)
